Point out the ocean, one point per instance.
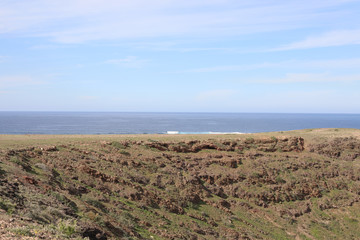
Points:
(180, 123)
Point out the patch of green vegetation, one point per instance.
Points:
(351, 220)
(24, 231)
(249, 140)
(319, 231)
(127, 219)
(37, 151)
(97, 204)
(44, 214)
(67, 228)
(146, 234)
(7, 206)
(317, 212)
(2, 172)
(118, 145)
(15, 160)
(55, 173)
(23, 162)
(64, 200)
(126, 153)
(280, 180)
(194, 206)
(152, 168)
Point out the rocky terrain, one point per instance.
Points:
(274, 186)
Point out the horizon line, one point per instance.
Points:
(176, 112)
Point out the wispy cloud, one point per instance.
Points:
(226, 68)
(128, 62)
(330, 64)
(77, 21)
(18, 81)
(329, 39)
(311, 78)
(184, 46)
(48, 46)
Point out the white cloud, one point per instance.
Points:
(129, 62)
(330, 64)
(18, 81)
(48, 46)
(329, 39)
(182, 46)
(226, 68)
(77, 21)
(310, 77)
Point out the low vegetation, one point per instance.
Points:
(287, 185)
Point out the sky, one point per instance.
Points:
(180, 56)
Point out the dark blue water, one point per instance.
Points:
(137, 123)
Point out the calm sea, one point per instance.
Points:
(138, 123)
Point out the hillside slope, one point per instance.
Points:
(288, 185)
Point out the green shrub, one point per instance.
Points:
(118, 145)
(278, 179)
(97, 204)
(7, 206)
(23, 162)
(67, 228)
(23, 232)
(64, 200)
(126, 153)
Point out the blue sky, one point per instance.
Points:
(180, 56)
